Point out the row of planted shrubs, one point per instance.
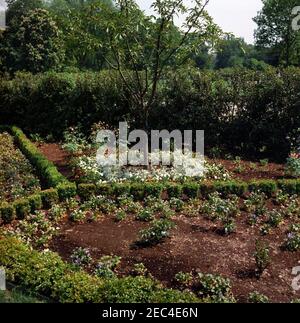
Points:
(189, 189)
(45, 199)
(20, 208)
(59, 187)
(47, 274)
(46, 170)
(242, 111)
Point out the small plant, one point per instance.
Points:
(216, 208)
(262, 257)
(275, 218)
(81, 257)
(71, 204)
(78, 215)
(229, 226)
(239, 168)
(281, 198)
(291, 207)
(184, 279)
(176, 204)
(158, 231)
(292, 166)
(139, 270)
(256, 298)
(145, 215)
(255, 203)
(292, 242)
(214, 287)
(120, 215)
(106, 266)
(264, 162)
(124, 200)
(252, 219)
(56, 212)
(134, 207)
(265, 229)
(190, 210)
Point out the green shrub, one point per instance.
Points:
(257, 298)
(35, 202)
(153, 189)
(137, 191)
(121, 189)
(104, 189)
(157, 232)
(206, 189)
(22, 208)
(291, 187)
(49, 103)
(46, 170)
(174, 190)
(214, 287)
(66, 191)
(49, 198)
(85, 191)
(47, 274)
(267, 187)
(232, 187)
(191, 190)
(7, 212)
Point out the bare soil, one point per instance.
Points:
(195, 245)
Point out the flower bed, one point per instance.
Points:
(17, 179)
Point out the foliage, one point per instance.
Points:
(229, 101)
(107, 265)
(257, 298)
(17, 178)
(81, 257)
(216, 208)
(293, 166)
(214, 287)
(157, 232)
(292, 242)
(32, 43)
(275, 29)
(262, 256)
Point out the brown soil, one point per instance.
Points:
(58, 156)
(196, 245)
(251, 171)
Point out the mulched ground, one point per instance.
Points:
(196, 245)
(58, 156)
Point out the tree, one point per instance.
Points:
(275, 31)
(32, 43)
(231, 52)
(18, 8)
(142, 48)
(81, 37)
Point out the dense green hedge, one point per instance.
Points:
(46, 170)
(242, 111)
(189, 190)
(47, 274)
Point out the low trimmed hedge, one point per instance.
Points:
(46, 169)
(48, 275)
(189, 189)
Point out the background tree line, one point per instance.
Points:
(73, 35)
